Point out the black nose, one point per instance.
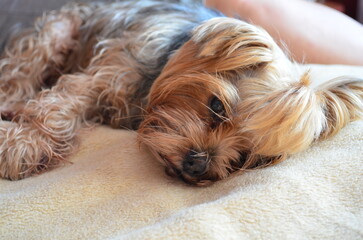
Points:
(195, 164)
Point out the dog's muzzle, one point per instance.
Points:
(195, 164)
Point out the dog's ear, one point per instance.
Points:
(223, 46)
(342, 101)
(288, 120)
(235, 44)
(281, 121)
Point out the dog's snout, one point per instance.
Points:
(195, 164)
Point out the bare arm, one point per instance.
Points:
(312, 32)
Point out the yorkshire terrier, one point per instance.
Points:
(209, 95)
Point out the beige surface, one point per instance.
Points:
(115, 190)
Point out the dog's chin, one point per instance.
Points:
(205, 179)
(173, 164)
(200, 181)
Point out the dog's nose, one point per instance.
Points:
(195, 164)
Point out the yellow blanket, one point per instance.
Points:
(115, 190)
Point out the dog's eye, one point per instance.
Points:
(218, 112)
(217, 106)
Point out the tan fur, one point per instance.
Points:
(270, 110)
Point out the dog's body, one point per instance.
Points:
(209, 95)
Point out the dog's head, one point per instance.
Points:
(228, 99)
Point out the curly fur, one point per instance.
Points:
(157, 67)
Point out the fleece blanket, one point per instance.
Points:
(114, 189)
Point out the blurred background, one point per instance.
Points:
(23, 12)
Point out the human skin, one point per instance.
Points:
(311, 32)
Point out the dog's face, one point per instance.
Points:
(222, 103)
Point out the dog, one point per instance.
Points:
(208, 95)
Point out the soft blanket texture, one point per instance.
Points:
(115, 190)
